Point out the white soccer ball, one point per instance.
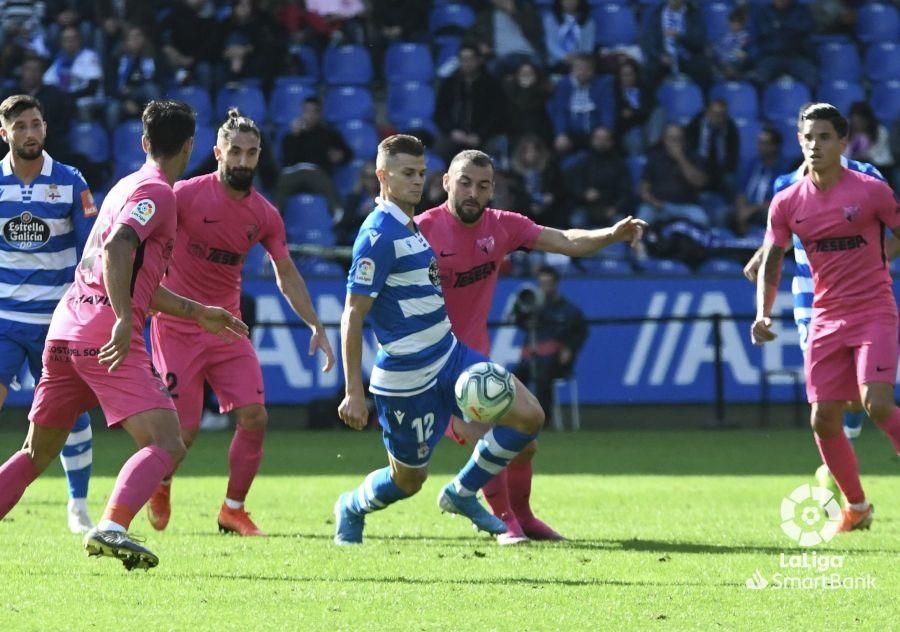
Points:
(485, 392)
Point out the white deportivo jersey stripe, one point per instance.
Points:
(52, 194)
(488, 466)
(406, 279)
(79, 437)
(803, 313)
(25, 317)
(10, 193)
(802, 284)
(496, 449)
(420, 306)
(412, 245)
(385, 382)
(38, 260)
(418, 341)
(28, 292)
(800, 256)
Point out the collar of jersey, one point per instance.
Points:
(391, 209)
(46, 170)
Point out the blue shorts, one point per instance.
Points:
(20, 342)
(412, 426)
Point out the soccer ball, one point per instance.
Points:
(485, 392)
(826, 480)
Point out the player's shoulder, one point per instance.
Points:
(788, 190)
(192, 185)
(260, 204)
(427, 219)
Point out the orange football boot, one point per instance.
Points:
(159, 507)
(237, 521)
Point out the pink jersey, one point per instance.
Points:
(842, 232)
(469, 258)
(215, 232)
(145, 202)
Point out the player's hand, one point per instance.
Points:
(223, 323)
(114, 352)
(761, 331)
(320, 340)
(630, 230)
(354, 412)
(751, 270)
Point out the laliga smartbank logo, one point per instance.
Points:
(810, 516)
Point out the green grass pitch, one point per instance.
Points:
(665, 528)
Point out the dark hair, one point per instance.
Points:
(399, 144)
(863, 109)
(474, 156)
(12, 106)
(545, 269)
(777, 138)
(583, 11)
(824, 112)
(315, 100)
(167, 126)
(235, 123)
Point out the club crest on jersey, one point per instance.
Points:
(53, 193)
(365, 272)
(252, 231)
(485, 244)
(851, 213)
(143, 211)
(434, 274)
(26, 232)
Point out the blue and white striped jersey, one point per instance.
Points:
(44, 227)
(802, 284)
(398, 269)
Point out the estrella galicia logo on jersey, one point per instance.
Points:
(26, 232)
(434, 273)
(851, 213)
(836, 244)
(477, 273)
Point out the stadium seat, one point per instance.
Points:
(91, 141)
(361, 137)
(126, 141)
(204, 140)
(408, 61)
(604, 266)
(286, 102)
(681, 99)
(665, 267)
(715, 19)
(615, 24)
(198, 98)
(434, 163)
(840, 94)
(885, 101)
(878, 22)
(409, 100)
(248, 99)
(316, 267)
(783, 99)
(346, 175)
(347, 65)
(308, 221)
(636, 166)
(882, 62)
(839, 60)
(748, 130)
(414, 125)
(741, 97)
(451, 19)
(310, 59)
(790, 148)
(348, 103)
(722, 267)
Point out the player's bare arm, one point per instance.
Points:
(892, 247)
(294, 289)
(577, 242)
(766, 290)
(353, 410)
(118, 262)
(215, 320)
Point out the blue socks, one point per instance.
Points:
(853, 423)
(77, 456)
(376, 492)
(492, 453)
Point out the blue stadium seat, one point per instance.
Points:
(876, 22)
(91, 141)
(748, 130)
(722, 267)
(307, 220)
(316, 267)
(361, 137)
(790, 148)
(603, 266)
(434, 163)
(413, 125)
(741, 97)
(839, 60)
(347, 65)
(885, 101)
(410, 100)
(204, 140)
(346, 175)
(784, 99)
(636, 166)
(840, 93)
(248, 99)
(615, 24)
(446, 48)
(348, 103)
(665, 267)
(681, 99)
(447, 19)
(126, 140)
(286, 102)
(715, 19)
(408, 61)
(883, 62)
(310, 59)
(198, 98)
(257, 262)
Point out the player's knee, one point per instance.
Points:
(253, 418)
(878, 410)
(175, 447)
(534, 419)
(826, 422)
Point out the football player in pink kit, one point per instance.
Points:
(471, 241)
(839, 215)
(95, 352)
(220, 218)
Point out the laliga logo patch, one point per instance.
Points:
(143, 211)
(365, 272)
(26, 232)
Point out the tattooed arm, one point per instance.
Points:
(766, 290)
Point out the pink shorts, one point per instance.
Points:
(73, 381)
(186, 356)
(842, 355)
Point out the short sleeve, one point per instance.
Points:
(778, 231)
(274, 238)
(522, 231)
(886, 207)
(84, 211)
(373, 258)
(146, 209)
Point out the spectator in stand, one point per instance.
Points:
(310, 152)
(751, 205)
(469, 108)
(133, 76)
(581, 101)
(21, 35)
(253, 44)
(58, 109)
(713, 137)
(869, 141)
(638, 121)
(835, 16)
(400, 21)
(568, 30)
(674, 42)
(731, 54)
(337, 21)
(532, 161)
(113, 17)
(77, 71)
(509, 191)
(601, 183)
(358, 205)
(527, 91)
(780, 42)
(433, 193)
(189, 54)
(509, 32)
(672, 181)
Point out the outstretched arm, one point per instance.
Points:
(577, 242)
(294, 289)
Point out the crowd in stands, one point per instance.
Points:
(593, 109)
